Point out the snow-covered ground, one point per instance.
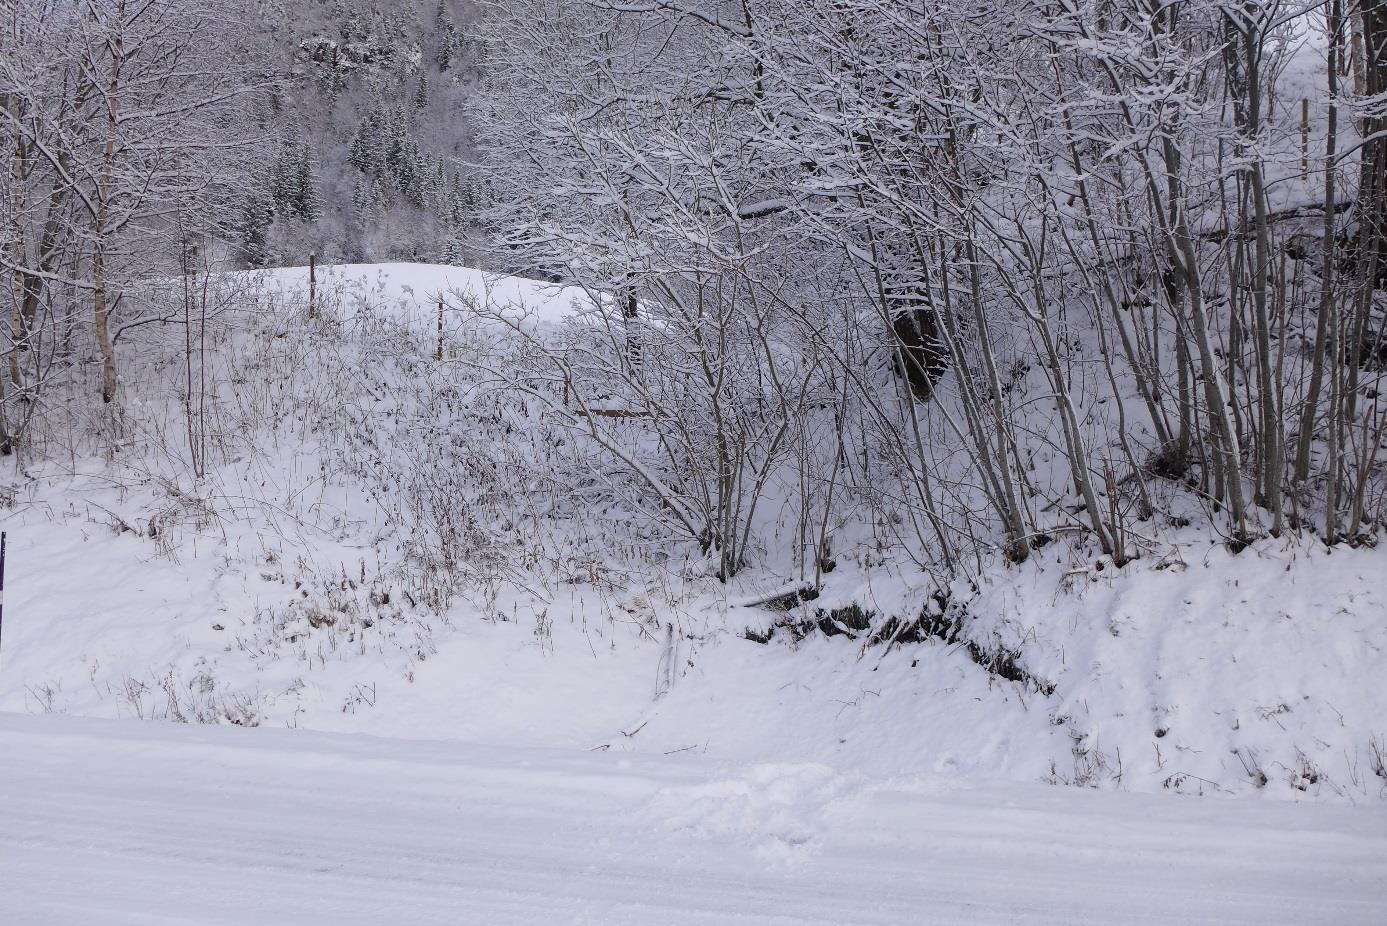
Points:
(119, 823)
(1200, 677)
(412, 291)
(574, 729)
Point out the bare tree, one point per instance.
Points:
(121, 121)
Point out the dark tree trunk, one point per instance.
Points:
(1372, 196)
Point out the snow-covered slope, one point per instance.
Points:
(301, 582)
(413, 290)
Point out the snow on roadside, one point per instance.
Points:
(251, 826)
(1204, 671)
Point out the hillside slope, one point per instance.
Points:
(392, 547)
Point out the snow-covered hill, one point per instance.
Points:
(412, 291)
(303, 583)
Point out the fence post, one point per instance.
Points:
(2, 582)
(438, 355)
(1304, 139)
(312, 285)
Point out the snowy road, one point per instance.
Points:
(114, 823)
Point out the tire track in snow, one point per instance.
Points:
(138, 823)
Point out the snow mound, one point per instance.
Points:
(1207, 671)
(776, 808)
(412, 291)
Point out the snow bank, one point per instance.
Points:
(1199, 672)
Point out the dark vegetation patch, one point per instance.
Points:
(940, 619)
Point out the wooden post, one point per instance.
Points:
(312, 285)
(2, 581)
(438, 354)
(1304, 139)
